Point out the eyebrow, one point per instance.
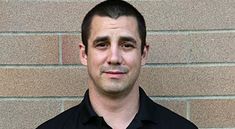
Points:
(103, 38)
(122, 38)
(127, 38)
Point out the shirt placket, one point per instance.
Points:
(102, 124)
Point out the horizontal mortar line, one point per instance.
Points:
(48, 0)
(198, 64)
(152, 97)
(190, 31)
(214, 64)
(218, 97)
(57, 0)
(40, 33)
(40, 65)
(57, 98)
(148, 31)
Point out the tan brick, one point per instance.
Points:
(42, 15)
(188, 81)
(168, 48)
(28, 49)
(45, 81)
(191, 47)
(160, 15)
(179, 107)
(213, 113)
(188, 14)
(213, 47)
(71, 103)
(70, 47)
(26, 114)
(157, 81)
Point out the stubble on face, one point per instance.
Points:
(113, 79)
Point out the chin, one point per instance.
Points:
(116, 90)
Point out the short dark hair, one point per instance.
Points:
(113, 9)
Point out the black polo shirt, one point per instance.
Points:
(149, 116)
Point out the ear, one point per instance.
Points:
(144, 55)
(82, 54)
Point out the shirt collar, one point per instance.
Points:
(147, 110)
(87, 112)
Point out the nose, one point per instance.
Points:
(115, 57)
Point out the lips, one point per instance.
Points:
(114, 72)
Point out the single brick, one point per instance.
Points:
(213, 47)
(213, 113)
(27, 114)
(188, 80)
(41, 16)
(47, 81)
(168, 48)
(160, 15)
(70, 49)
(188, 14)
(36, 49)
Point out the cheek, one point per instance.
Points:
(134, 57)
(95, 59)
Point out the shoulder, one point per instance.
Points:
(60, 121)
(162, 116)
(171, 120)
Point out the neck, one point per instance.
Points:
(118, 112)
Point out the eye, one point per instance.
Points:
(101, 45)
(127, 45)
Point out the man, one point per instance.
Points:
(114, 49)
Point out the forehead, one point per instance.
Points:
(107, 18)
(126, 25)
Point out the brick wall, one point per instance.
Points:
(190, 68)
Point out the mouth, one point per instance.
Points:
(115, 74)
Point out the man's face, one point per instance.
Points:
(114, 54)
